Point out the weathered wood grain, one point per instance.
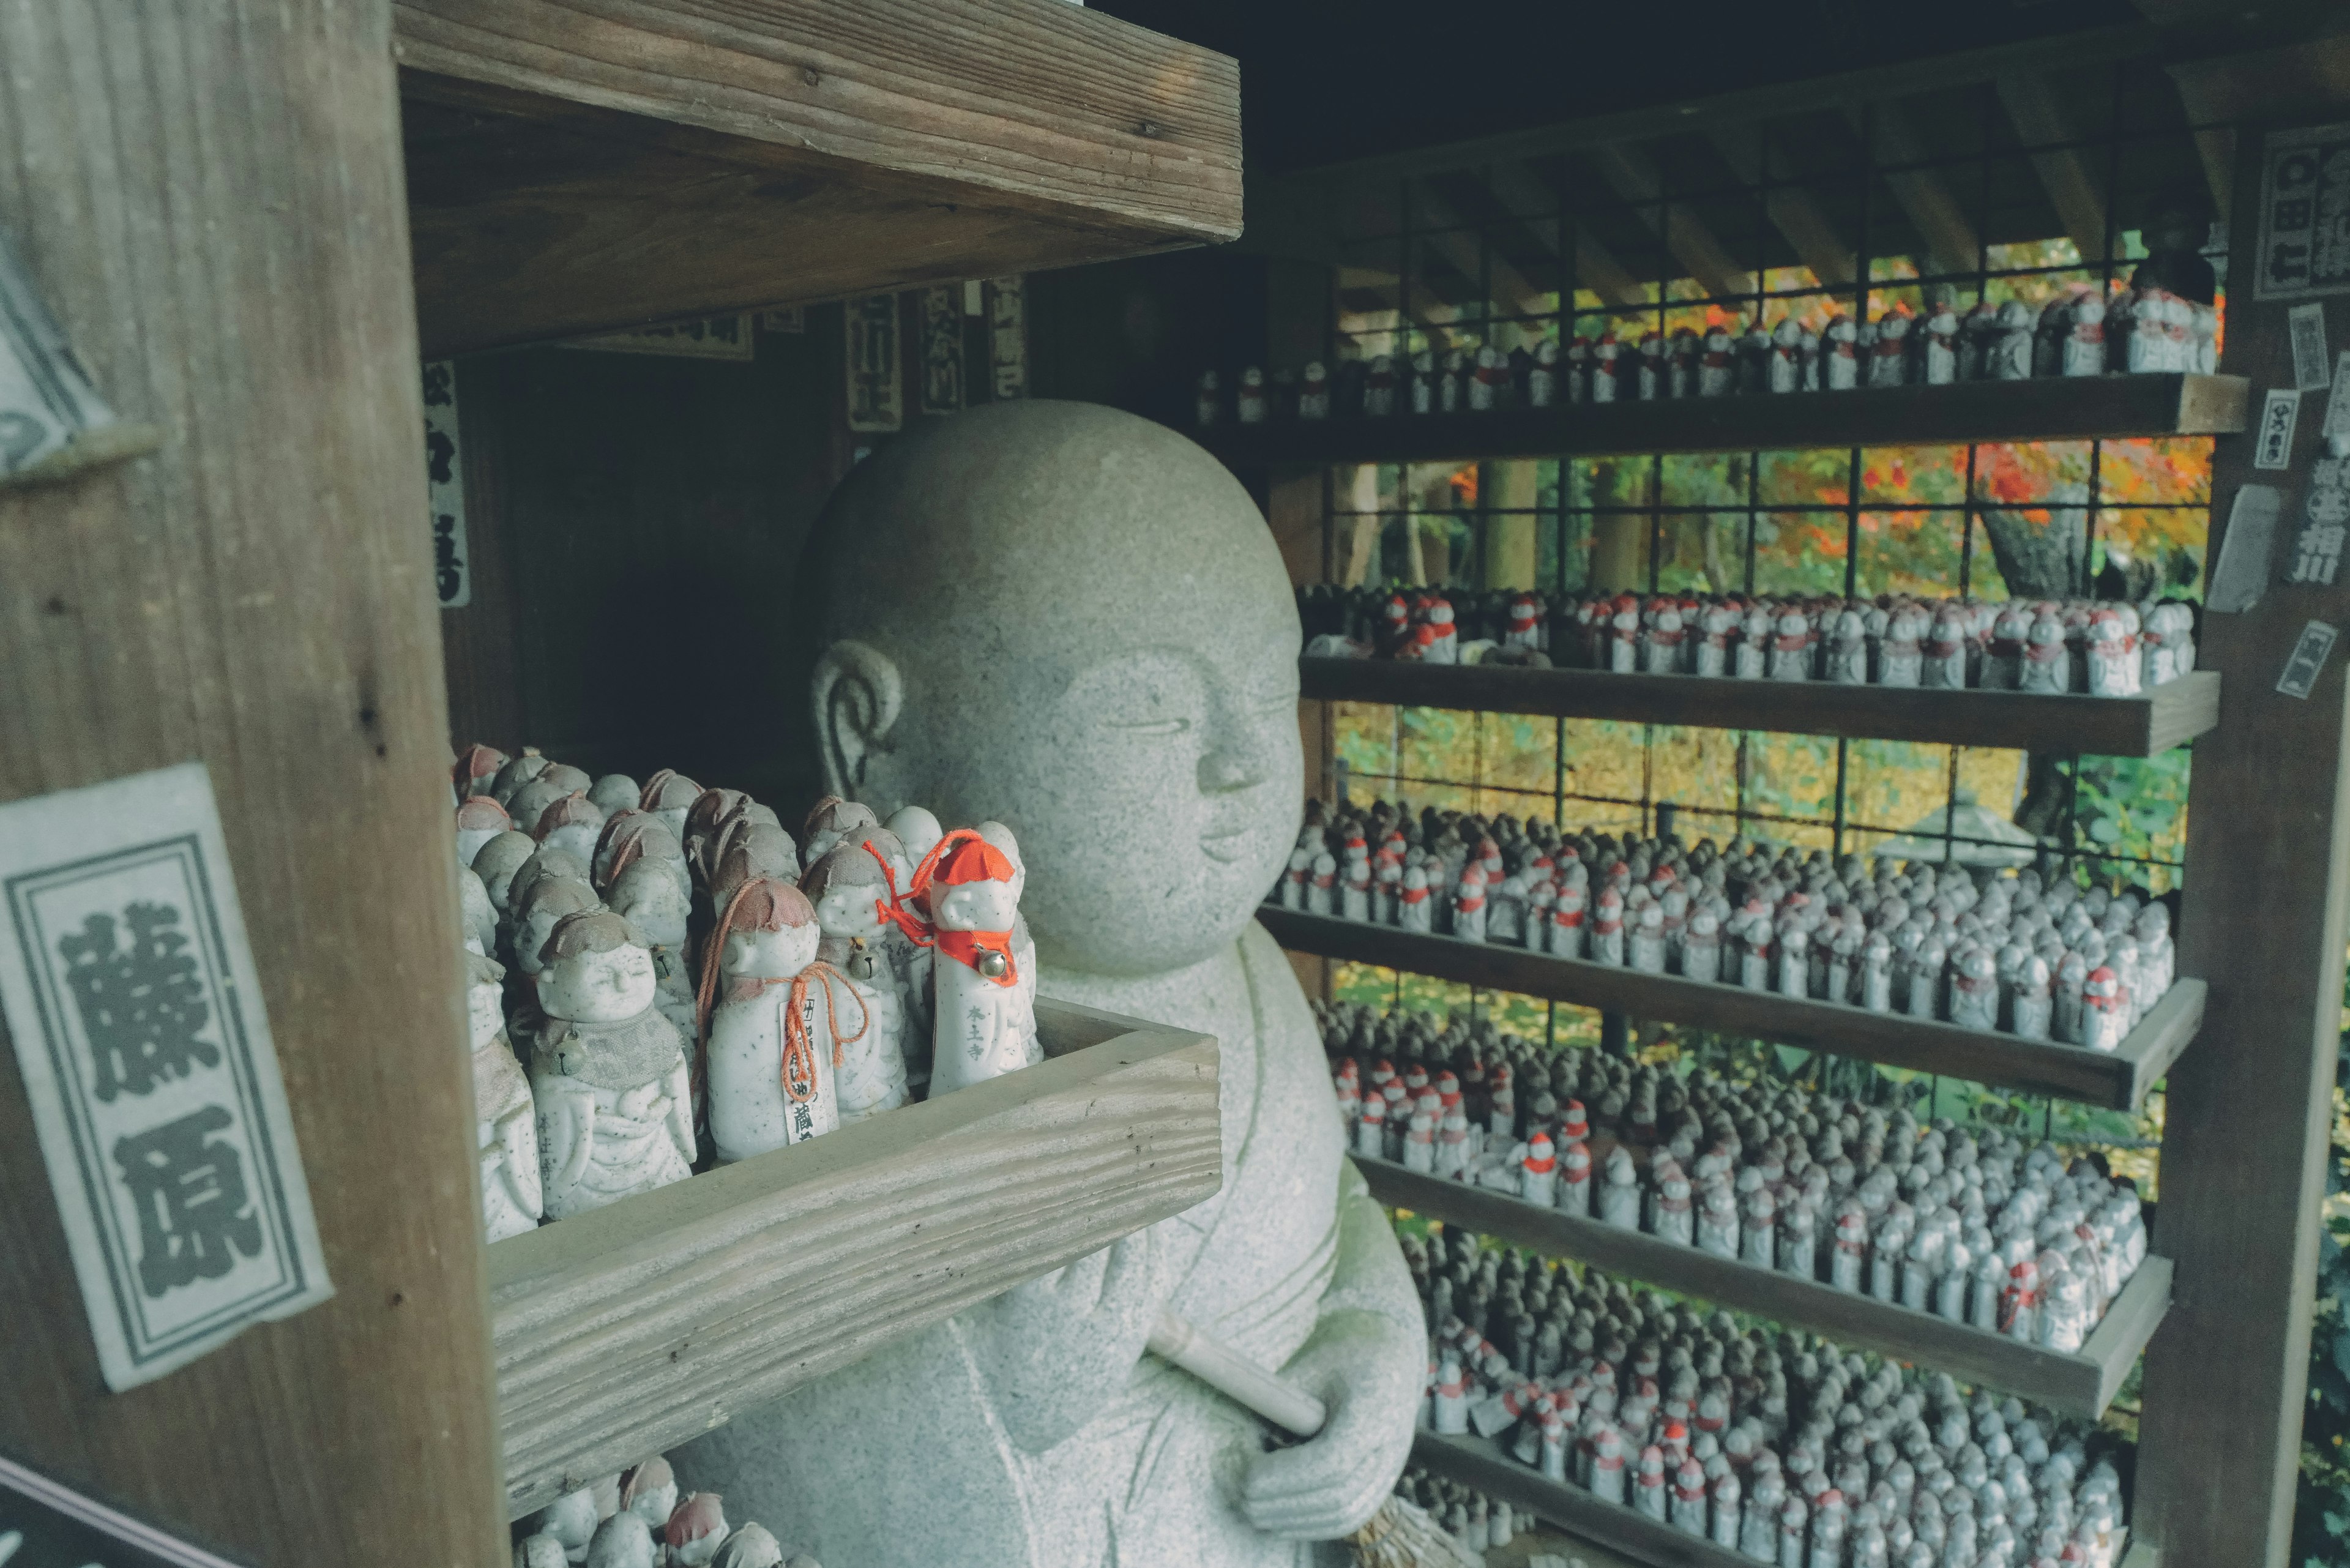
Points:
(2080, 1383)
(2068, 1072)
(2244, 1146)
(210, 198)
(629, 1330)
(2170, 714)
(2057, 409)
(578, 164)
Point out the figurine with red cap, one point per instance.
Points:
(970, 887)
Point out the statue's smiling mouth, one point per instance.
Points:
(1226, 847)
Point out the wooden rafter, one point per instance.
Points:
(1938, 217)
(1530, 199)
(1452, 236)
(1633, 177)
(1793, 211)
(2032, 108)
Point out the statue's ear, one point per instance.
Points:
(856, 692)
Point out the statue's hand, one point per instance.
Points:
(1055, 1351)
(1369, 1372)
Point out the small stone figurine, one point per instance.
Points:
(505, 1128)
(851, 890)
(1542, 380)
(1250, 403)
(1314, 393)
(478, 820)
(1207, 400)
(986, 1025)
(773, 1056)
(1840, 349)
(614, 1103)
(1380, 388)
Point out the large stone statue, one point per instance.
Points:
(1074, 622)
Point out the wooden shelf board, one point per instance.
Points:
(2067, 1071)
(2170, 715)
(2057, 409)
(1483, 1464)
(626, 1330)
(2081, 1383)
(577, 166)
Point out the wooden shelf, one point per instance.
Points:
(2057, 409)
(2081, 1383)
(625, 1331)
(576, 166)
(2119, 1080)
(1483, 1464)
(2170, 715)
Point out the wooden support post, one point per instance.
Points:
(2245, 1147)
(215, 207)
(1506, 489)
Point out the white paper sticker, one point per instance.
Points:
(131, 994)
(2244, 549)
(2309, 654)
(46, 401)
(2337, 427)
(2273, 442)
(445, 485)
(2313, 368)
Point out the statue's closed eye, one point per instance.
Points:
(1151, 726)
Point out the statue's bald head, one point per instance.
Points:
(1074, 622)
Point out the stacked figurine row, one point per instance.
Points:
(2101, 648)
(637, 1520)
(1788, 1450)
(1475, 1522)
(1977, 1229)
(2032, 956)
(685, 990)
(2081, 332)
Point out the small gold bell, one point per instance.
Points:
(992, 964)
(860, 966)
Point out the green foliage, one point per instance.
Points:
(2136, 807)
(2321, 1518)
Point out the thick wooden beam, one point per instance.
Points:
(1793, 211)
(577, 164)
(1939, 218)
(2048, 136)
(1634, 177)
(2050, 408)
(629, 1330)
(2245, 1150)
(211, 202)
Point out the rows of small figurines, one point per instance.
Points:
(2079, 333)
(637, 1520)
(1475, 1522)
(1974, 1227)
(2018, 952)
(1782, 1447)
(2103, 647)
(687, 988)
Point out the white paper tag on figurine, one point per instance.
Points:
(2301, 671)
(2244, 550)
(2312, 370)
(131, 994)
(2273, 442)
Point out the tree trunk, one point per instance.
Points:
(2043, 561)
